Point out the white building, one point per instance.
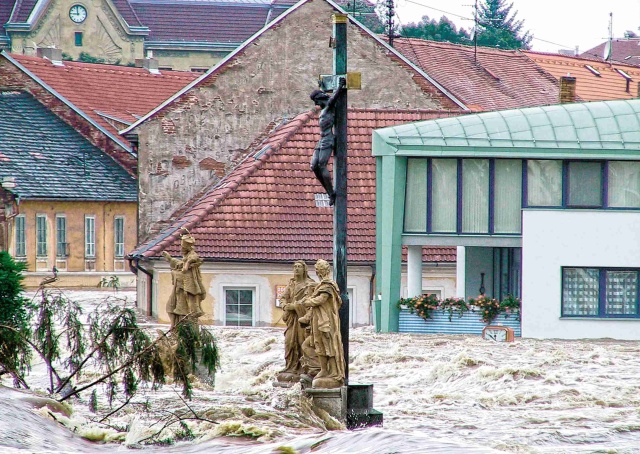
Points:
(542, 203)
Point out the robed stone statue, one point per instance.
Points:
(188, 289)
(300, 286)
(325, 339)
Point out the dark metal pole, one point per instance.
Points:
(340, 184)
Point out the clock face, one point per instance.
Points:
(78, 13)
(498, 335)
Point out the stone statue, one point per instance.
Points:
(325, 336)
(326, 145)
(299, 287)
(188, 289)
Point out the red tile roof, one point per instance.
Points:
(5, 12)
(21, 10)
(265, 209)
(604, 82)
(622, 51)
(122, 92)
(498, 79)
(204, 21)
(127, 13)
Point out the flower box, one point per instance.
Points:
(469, 323)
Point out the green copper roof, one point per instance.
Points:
(606, 129)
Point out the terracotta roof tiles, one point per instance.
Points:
(98, 90)
(602, 82)
(265, 210)
(489, 79)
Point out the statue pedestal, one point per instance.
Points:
(352, 405)
(332, 400)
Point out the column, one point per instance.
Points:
(414, 271)
(460, 273)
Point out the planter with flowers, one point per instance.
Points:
(431, 315)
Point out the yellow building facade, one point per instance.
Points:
(84, 241)
(121, 32)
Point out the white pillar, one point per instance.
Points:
(414, 271)
(460, 273)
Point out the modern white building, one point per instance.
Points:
(542, 203)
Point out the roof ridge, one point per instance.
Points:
(99, 67)
(194, 213)
(580, 58)
(224, 64)
(466, 47)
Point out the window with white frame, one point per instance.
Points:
(41, 235)
(600, 292)
(89, 236)
(21, 239)
(61, 236)
(118, 235)
(239, 306)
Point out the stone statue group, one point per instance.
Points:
(313, 345)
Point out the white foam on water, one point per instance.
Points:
(529, 396)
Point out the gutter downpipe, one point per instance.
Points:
(134, 269)
(372, 294)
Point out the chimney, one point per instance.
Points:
(52, 54)
(149, 63)
(567, 89)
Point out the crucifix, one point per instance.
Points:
(333, 130)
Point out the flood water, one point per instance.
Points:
(439, 394)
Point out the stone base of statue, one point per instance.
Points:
(327, 383)
(351, 405)
(286, 379)
(332, 401)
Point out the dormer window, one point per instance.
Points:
(593, 70)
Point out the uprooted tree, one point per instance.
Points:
(118, 352)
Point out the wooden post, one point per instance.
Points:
(340, 184)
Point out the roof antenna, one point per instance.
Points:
(390, 14)
(475, 32)
(608, 47)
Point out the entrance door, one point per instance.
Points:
(507, 272)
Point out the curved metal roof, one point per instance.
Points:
(605, 125)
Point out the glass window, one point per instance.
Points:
(585, 184)
(41, 235)
(78, 38)
(580, 289)
(415, 209)
(444, 187)
(507, 217)
(621, 293)
(624, 184)
(475, 195)
(61, 236)
(21, 240)
(583, 295)
(239, 307)
(544, 183)
(89, 236)
(118, 234)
